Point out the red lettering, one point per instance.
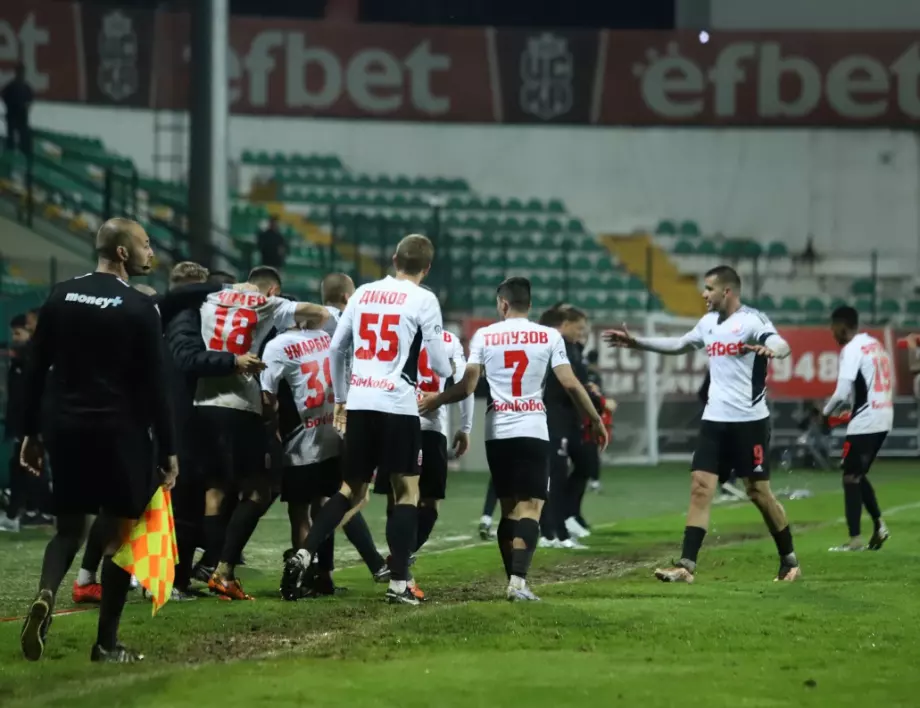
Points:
(723, 349)
(382, 297)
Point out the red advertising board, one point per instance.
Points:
(106, 55)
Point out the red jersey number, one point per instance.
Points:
(516, 359)
(378, 336)
(238, 340)
(315, 382)
(429, 382)
(882, 373)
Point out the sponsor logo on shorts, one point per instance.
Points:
(100, 302)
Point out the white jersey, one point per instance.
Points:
(867, 365)
(738, 380)
(516, 356)
(430, 382)
(301, 357)
(387, 322)
(238, 322)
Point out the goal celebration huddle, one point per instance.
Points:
(234, 396)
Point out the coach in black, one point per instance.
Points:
(103, 339)
(565, 426)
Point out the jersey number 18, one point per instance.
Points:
(239, 339)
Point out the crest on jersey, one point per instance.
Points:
(547, 68)
(118, 48)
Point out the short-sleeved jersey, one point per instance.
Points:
(516, 356)
(738, 380)
(866, 363)
(301, 358)
(238, 322)
(430, 382)
(387, 322)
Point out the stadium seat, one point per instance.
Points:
(766, 303)
(889, 307)
(534, 205)
(814, 306)
(864, 306)
(863, 286)
(636, 284)
(494, 204)
(707, 248)
(514, 205)
(790, 305)
(556, 206)
(684, 248)
(689, 228)
(666, 227)
(633, 304)
(913, 307)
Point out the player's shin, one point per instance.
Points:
(507, 530)
(359, 536)
(115, 585)
(240, 529)
(427, 517)
(852, 503)
(526, 534)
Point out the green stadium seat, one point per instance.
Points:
(422, 183)
(556, 206)
(494, 204)
(731, 249)
(483, 299)
(511, 224)
(514, 205)
(633, 304)
(890, 307)
(790, 305)
(689, 228)
(533, 225)
(766, 304)
(864, 306)
(402, 182)
(814, 306)
(864, 286)
(913, 307)
(472, 223)
(684, 248)
(707, 248)
(552, 226)
(534, 205)
(576, 226)
(475, 204)
(636, 284)
(580, 263)
(666, 227)
(751, 249)
(458, 184)
(838, 302)
(777, 249)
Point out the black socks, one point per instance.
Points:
(852, 505)
(505, 536)
(115, 585)
(359, 535)
(528, 531)
(693, 541)
(402, 530)
(326, 522)
(427, 517)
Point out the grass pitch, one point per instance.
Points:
(606, 634)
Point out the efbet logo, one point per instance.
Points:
(723, 349)
(100, 302)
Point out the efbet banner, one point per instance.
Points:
(123, 56)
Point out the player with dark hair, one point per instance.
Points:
(229, 412)
(515, 355)
(389, 321)
(110, 391)
(734, 432)
(864, 387)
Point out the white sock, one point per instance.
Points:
(517, 582)
(486, 520)
(398, 586)
(84, 578)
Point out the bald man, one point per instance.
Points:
(103, 339)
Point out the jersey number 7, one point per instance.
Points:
(374, 330)
(239, 339)
(516, 359)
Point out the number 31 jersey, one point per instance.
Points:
(517, 356)
(238, 322)
(387, 321)
(301, 357)
(865, 362)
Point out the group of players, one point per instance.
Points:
(367, 376)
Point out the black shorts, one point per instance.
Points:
(432, 482)
(102, 469)
(741, 447)
(386, 442)
(859, 452)
(519, 467)
(303, 484)
(233, 445)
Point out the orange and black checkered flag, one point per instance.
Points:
(150, 554)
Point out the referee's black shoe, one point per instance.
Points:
(119, 655)
(35, 628)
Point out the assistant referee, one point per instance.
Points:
(101, 341)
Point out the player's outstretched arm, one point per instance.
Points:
(310, 315)
(582, 401)
(456, 393)
(773, 347)
(622, 339)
